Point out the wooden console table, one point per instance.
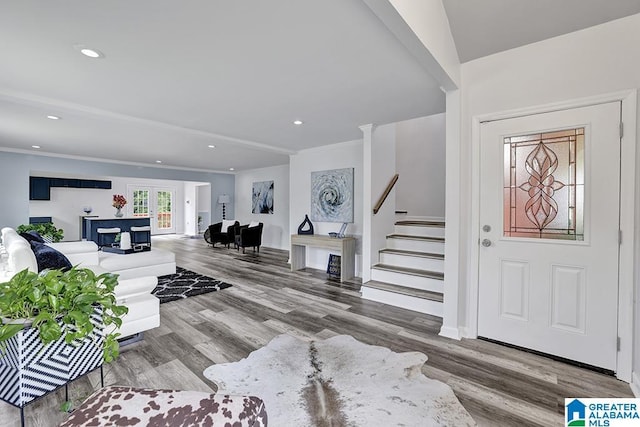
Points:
(346, 246)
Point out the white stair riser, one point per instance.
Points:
(403, 301)
(416, 245)
(408, 280)
(409, 261)
(416, 230)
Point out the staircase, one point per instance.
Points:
(410, 271)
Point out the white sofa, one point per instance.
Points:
(134, 285)
(156, 262)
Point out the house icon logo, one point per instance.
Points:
(575, 413)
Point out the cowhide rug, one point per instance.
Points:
(340, 382)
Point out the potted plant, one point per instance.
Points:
(47, 230)
(58, 319)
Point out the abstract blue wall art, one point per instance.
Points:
(262, 197)
(332, 195)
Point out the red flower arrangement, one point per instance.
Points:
(119, 201)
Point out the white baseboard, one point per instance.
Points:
(464, 332)
(450, 332)
(635, 384)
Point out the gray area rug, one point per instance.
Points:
(340, 382)
(185, 283)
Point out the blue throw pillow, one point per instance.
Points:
(32, 236)
(47, 257)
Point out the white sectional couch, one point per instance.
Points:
(156, 262)
(136, 279)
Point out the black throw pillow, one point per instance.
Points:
(47, 257)
(32, 236)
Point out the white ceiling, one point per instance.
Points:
(179, 76)
(484, 27)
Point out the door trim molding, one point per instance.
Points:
(628, 209)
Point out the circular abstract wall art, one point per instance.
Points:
(332, 195)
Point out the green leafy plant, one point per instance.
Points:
(56, 302)
(45, 229)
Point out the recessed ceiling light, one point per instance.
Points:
(35, 146)
(53, 117)
(212, 146)
(158, 161)
(91, 53)
(297, 122)
(87, 51)
(232, 169)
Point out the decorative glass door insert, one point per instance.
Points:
(544, 185)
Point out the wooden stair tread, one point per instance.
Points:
(411, 237)
(413, 271)
(417, 293)
(411, 253)
(419, 223)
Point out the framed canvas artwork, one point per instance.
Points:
(332, 195)
(262, 198)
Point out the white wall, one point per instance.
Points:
(66, 204)
(15, 169)
(337, 156)
(204, 205)
(420, 162)
(383, 167)
(275, 232)
(428, 20)
(598, 60)
(191, 208)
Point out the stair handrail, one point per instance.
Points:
(387, 190)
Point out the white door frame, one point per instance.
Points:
(627, 215)
(153, 203)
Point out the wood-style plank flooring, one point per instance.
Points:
(499, 386)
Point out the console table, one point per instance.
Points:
(345, 245)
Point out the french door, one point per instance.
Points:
(549, 227)
(155, 203)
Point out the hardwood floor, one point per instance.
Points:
(499, 386)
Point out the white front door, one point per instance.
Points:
(549, 221)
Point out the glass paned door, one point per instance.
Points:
(141, 202)
(155, 203)
(164, 211)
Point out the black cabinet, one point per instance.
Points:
(39, 188)
(94, 183)
(65, 182)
